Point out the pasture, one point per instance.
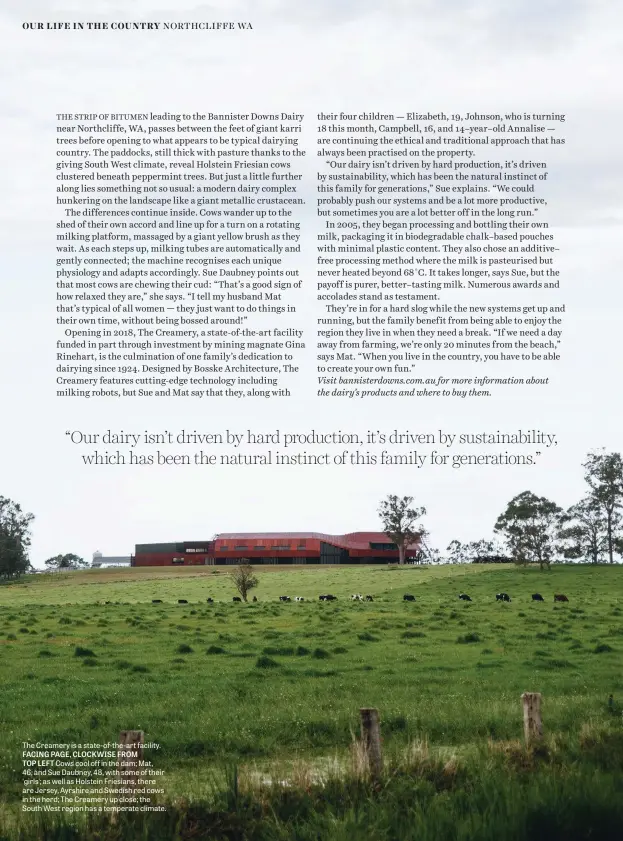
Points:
(270, 686)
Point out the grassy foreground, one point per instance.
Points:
(240, 696)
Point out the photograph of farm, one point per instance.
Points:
(475, 693)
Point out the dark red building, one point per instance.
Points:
(361, 547)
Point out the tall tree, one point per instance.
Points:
(584, 531)
(69, 561)
(14, 538)
(530, 526)
(244, 579)
(399, 522)
(604, 476)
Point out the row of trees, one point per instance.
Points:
(532, 529)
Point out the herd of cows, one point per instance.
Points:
(504, 597)
(357, 597)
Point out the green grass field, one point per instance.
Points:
(272, 688)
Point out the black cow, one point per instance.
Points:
(559, 597)
(156, 601)
(210, 601)
(408, 597)
(327, 598)
(369, 599)
(537, 597)
(502, 597)
(285, 599)
(182, 601)
(237, 599)
(465, 597)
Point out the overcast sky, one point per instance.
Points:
(487, 56)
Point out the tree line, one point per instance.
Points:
(532, 529)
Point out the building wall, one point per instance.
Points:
(285, 548)
(110, 560)
(158, 559)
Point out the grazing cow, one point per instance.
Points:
(369, 599)
(465, 597)
(502, 597)
(237, 599)
(156, 601)
(285, 599)
(357, 597)
(299, 599)
(537, 597)
(327, 598)
(559, 597)
(210, 601)
(182, 601)
(408, 597)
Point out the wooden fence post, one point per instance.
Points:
(532, 724)
(129, 753)
(371, 739)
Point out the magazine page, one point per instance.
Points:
(311, 487)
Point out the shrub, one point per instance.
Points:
(464, 638)
(83, 652)
(215, 649)
(265, 662)
(602, 648)
(320, 654)
(184, 649)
